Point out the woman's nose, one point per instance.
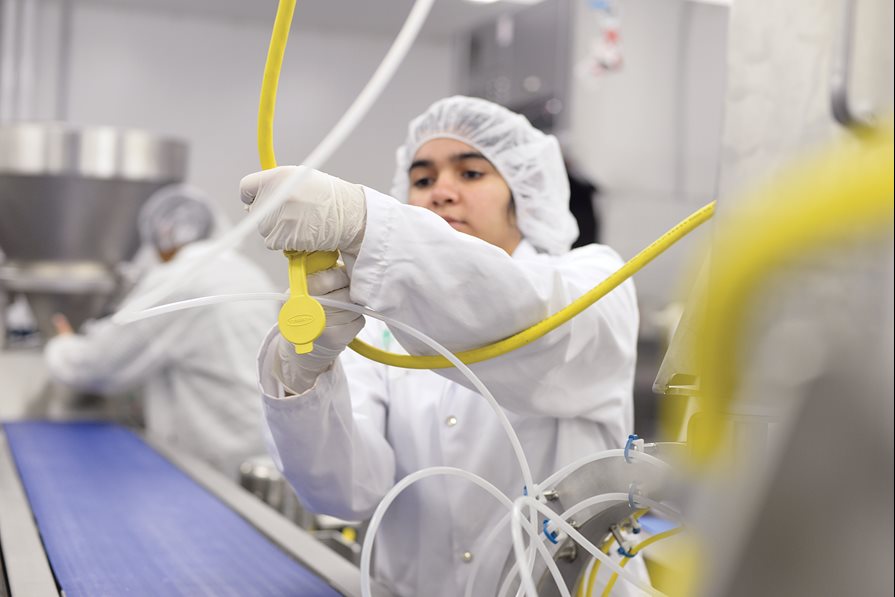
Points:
(444, 193)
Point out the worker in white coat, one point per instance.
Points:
(480, 252)
(195, 367)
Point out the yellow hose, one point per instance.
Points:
(842, 196)
(594, 570)
(541, 328)
(269, 84)
(278, 40)
(637, 549)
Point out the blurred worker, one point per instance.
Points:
(196, 366)
(481, 252)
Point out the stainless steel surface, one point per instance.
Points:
(331, 567)
(840, 100)
(27, 569)
(260, 476)
(80, 290)
(611, 475)
(69, 200)
(102, 152)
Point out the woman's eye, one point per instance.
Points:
(422, 183)
(472, 174)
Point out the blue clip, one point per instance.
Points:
(551, 535)
(624, 552)
(628, 444)
(525, 490)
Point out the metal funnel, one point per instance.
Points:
(69, 199)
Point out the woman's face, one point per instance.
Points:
(456, 182)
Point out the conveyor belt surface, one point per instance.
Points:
(118, 519)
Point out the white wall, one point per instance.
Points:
(199, 79)
(650, 134)
(778, 103)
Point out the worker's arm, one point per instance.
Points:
(111, 358)
(329, 441)
(466, 293)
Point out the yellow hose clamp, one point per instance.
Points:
(301, 319)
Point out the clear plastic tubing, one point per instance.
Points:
(519, 546)
(344, 127)
(465, 370)
(382, 508)
(557, 477)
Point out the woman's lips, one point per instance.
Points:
(455, 224)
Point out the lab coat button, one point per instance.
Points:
(467, 556)
(450, 421)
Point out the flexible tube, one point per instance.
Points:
(591, 575)
(637, 549)
(382, 508)
(130, 317)
(346, 124)
(269, 84)
(551, 481)
(546, 326)
(519, 546)
(622, 498)
(598, 499)
(268, 160)
(839, 196)
(604, 498)
(473, 379)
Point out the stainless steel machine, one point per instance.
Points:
(69, 199)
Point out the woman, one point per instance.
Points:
(480, 252)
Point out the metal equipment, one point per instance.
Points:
(598, 523)
(69, 199)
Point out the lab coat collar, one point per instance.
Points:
(524, 249)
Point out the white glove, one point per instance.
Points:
(321, 213)
(299, 372)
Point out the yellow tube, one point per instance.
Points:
(634, 551)
(300, 307)
(266, 106)
(595, 569)
(554, 321)
(842, 196)
(274, 63)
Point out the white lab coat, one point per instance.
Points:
(345, 442)
(196, 366)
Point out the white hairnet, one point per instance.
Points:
(174, 216)
(528, 160)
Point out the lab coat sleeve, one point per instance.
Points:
(329, 442)
(467, 293)
(113, 358)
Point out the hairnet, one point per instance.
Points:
(174, 216)
(528, 160)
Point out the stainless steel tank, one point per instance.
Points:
(69, 199)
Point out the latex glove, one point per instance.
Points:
(299, 372)
(322, 213)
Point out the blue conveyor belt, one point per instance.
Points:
(118, 519)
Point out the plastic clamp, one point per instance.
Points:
(551, 535)
(629, 444)
(624, 552)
